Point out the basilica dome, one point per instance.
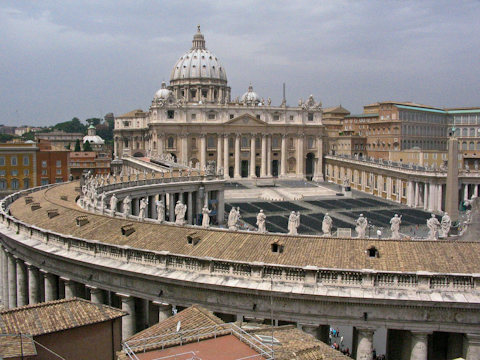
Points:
(198, 63)
(250, 96)
(163, 92)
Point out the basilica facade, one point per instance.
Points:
(196, 121)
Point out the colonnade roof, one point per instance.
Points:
(335, 253)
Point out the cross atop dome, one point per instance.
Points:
(198, 40)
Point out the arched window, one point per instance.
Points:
(15, 184)
(464, 145)
(210, 142)
(244, 142)
(472, 132)
(290, 144)
(26, 183)
(464, 132)
(471, 146)
(230, 143)
(154, 145)
(3, 184)
(126, 143)
(171, 142)
(310, 142)
(257, 143)
(478, 145)
(275, 142)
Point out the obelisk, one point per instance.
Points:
(451, 194)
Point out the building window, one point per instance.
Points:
(26, 161)
(170, 142)
(15, 184)
(276, 117)
(126, 143)
(231, 116)
(258, 116)
(3, 173)
(291, 117)
(57, 180)
(2, 160)
(193, 116)
(59, 163)
(59, 171)
(310, 116)
(26, 183)
(44, 172)
(244, 142)
(211, 116)
(275, 142)
(14, 172)
(44, 164)
(13, 161)
(3, 184)
(170, 114)
(210, 142)
(194, 143)
(44, 182)
(230, 143)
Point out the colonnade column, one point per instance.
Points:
(184, 141)
(171, 207)
(96, 295)
(164, 310)
(252, 156)
(417, 193)
(33, 284)
(399, 191)
(263, 165)
(300, 157)
(70, 288)
(236, 173)
(219, 151)
(465, 192)
(365, 344)
(128, 321)
(22, 283)
(12, 281)
(473, 346)
(425, 196)
(221, 207)
(475, 190)
(410, 194)
(51, 292)
(203, 151)
(310, 329)
(389, 188)
(419, 348)
(431, 199)
(226, 154)
(319, 165)
(5, 297)
(269, 155)
(189, 208)
(439, 197)
(283, 160)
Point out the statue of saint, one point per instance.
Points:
(160, 211)
(143, 208)
(395, 227)
(261, 218)
(433, 225)
(180, 210)
(361, 227)
(127, 206)
(113, 204)
(206, 217)
(446, 224)
(233, 218)
(327, 225)
(293, 223)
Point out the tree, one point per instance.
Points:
(73, 126)
(28, 136)
(87, 146)
(93, 121)
(77, 145)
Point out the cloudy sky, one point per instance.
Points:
(64, 59)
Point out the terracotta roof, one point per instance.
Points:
(336, 109)
(295, 344)
(134, 113)
(52, 316)
(15, 346)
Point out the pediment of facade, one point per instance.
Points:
(246, 120)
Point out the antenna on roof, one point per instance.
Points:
(284, 99)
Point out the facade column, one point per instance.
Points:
(164, 310)
(417, 193)
(51, 293)
(221, 207)
(419, 348)
(399, 191)
(189, 208)
(439, 197)
(70, 288)
(465, 192)
(96, 295)
(128, 321)
(431, 198)
(365, 344)
(473, 347)
(22, 283)
(203, 151)
(252, 156)
(319, 165)
(364, 180)
(263, 164)
(226, 156)
(283, 160)
(475, 190)
(33, 285)
(12, 281)
(219, 151)
(161, 146)
(236, 173)
(269, 155)
(300, 157)
(5, 297)
(184, 141)
(389, 188)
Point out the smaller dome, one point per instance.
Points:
(163, 92)
(250, 96)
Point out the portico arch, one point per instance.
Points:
(309, 166)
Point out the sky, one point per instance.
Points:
(64, 59)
